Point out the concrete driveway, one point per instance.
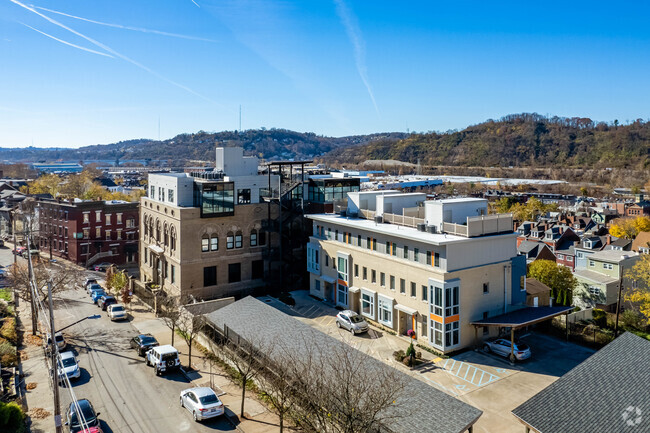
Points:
(486, 381)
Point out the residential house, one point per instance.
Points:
(641, 243)
(587, 246)
(203, 234)
(88, 231)
(613, 384)
(537, 293)
(535, 250)
(641, 208)
(598, 284)
(431, 266)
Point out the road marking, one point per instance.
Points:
(482, 380)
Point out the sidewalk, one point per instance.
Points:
(258, 419)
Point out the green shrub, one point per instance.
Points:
(410, 350)
(8, 330)
(8, 356)
(399, 355)
(600, 317)
(631, 319)
(12, 418)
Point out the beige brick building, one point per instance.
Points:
(429, 266)
(201, 235)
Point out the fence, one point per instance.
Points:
(581, 331)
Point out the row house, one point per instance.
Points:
(87, 231)
(407, 263)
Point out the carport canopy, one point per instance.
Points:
(520, 318)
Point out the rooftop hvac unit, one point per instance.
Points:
(432, 229)
(422, 227)
(379, 219)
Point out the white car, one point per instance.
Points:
(116, 312)
(163, 359)
(68, 366)
(502, 347)
(202, 402)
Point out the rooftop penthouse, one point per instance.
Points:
(464, 217)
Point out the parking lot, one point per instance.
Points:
(486, 381)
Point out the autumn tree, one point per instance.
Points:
(640, 296)
(170, 313)
(629, 228)
(189, 326)
(559, 278)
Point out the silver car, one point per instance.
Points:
(502, 347)
(68, 366)
(351, 321)
(202, 402)
(116, 312)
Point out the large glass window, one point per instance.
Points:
(342, 295)
(253, 238)
(205, 244)
(436, 300)
(215, 199)
(385, 310)
(436, 333)
(230, 241)
(451, 301)
(238, 240)
(170, 195)
(452, 334)
(368, 304)
(342, 268)
(436, 260)
(214, 243)
(234, 272)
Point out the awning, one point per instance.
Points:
(156, 249)
(363, 289)
(523, 317)
(328, 279)
(407, 310)
(354, 289)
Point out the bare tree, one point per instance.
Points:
(63, 277)
(189, 326)
(170, 313)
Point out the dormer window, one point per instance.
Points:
(588, 244)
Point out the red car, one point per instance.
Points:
(18, 250)
(92, 430)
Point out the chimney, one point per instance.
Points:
(609, 239)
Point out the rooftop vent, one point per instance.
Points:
(379, 219)
(422, 227)
(432, 229)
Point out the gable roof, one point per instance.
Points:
(641, 240)
(534, 287)
(597, 394)
(431, 410)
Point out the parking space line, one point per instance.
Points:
(456, 368)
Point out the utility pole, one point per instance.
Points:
(13, 232)
(618, 304)
(34, 292)
(54, 350)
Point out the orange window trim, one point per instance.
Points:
(343, 283)
(436, 318)
(451, 319)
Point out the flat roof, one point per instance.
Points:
(523, 317)
(608, 392)
(399, 231)
(458, 200)
(615, 256)
(594, 276)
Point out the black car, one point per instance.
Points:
(89, 416)
(142, 343)
(106, 300)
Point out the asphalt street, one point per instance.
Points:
(127, 394)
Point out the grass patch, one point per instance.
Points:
(6, 294)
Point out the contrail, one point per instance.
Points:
(119, 26)
(68, 43)
(197, 5)
(354, 34)
(113, 52)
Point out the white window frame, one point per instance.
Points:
(385, 310)
(313, 259)
(342, 295)
(369, 297)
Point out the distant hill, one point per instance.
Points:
(519, 140)
(269, 144)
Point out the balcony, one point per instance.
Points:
(480, 226)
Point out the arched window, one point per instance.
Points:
(146, 227)
(253, 238)
(230, 241)
(205, 244)
(157, 230)
(214, 243)
(151, 227)
(172, 244)
(166, 235)
(238, 240)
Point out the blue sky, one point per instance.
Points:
(337, 67)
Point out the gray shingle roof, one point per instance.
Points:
(430, 410)
(600, 395)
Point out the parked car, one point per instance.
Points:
(60, 341)
(351, 321)
(2, 243)
(18, 250)
(87, 411)
(68, 366)
(94, 286)
(143, 342)
(163, 359)
(502, 347)
(202, 402)
(96, 429)
(3, 273)
(116, 312)
(26, 253)
(96, 294)
(104, 301)
(88, 281)
(102, 267)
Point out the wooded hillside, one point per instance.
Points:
(519, 140)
